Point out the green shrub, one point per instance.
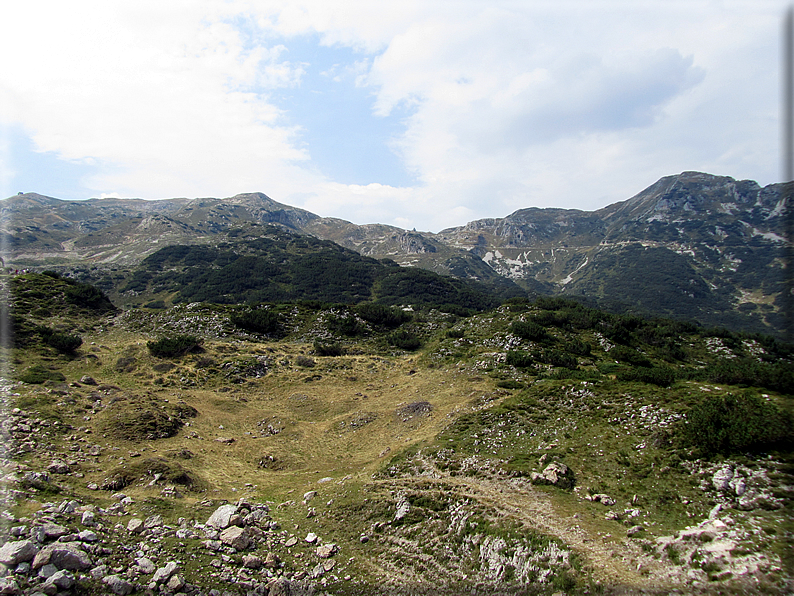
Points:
(38, 374)
(529, 330)
(405, 340)
(347, 325)
(177, 345)
(727, 424)
(65, 343)
(380, 314)
(628, 355)
(776, 376)
(662, 376)
(556, 358)
(519, 359)
(88, 296)
(259, 320)
(579, 347)
(328, 349)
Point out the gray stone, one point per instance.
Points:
(252, 561)
(603, 499)
(88, 518)
(279, 586)
(722, 478)
(145, 565)
(118, 585)
(87, 536)
(311, 537)
(309, 495)
(47, 571)
(58, 467)
(135, 526)
(325, 551)
(53, 531)
(236, 537)
(62, 580)
(272, 561)
(634, 530)
(221, 517)
(18, 551)
(86, 380)
(556, 474)
(403, 507)
(153, 521)
(64, 555)
(176, 583)
(9, 586)
(164, 573)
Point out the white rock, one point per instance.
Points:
(722, 478)
(164, 573)
(18, 551)
(221, 517)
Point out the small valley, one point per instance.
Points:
(535, 446)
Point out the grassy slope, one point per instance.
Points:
(462, 465)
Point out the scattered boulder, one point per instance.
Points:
(556, 474)
(60, 580)
(64, 555)
(145, 565)
(175, 583)
(603, 499)
(722, 478)
(118, 585)
(58, 466)
(272, 561)
(19, 551)
(135, 526)
(9, 586)
(252, 561)
(326, 551)
(153, 521)
(403, 507)
(53, 531)
(236, 537)
(163, 574)
(220, 519)
(633, 530)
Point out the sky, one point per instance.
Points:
(420, 114)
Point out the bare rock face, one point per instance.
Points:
(556, 474)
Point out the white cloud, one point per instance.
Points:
(511, 103)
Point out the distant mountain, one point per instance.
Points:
(694, 245)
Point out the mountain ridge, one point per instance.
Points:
(725, 236)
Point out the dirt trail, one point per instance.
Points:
(608, 561)
(618, 564)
